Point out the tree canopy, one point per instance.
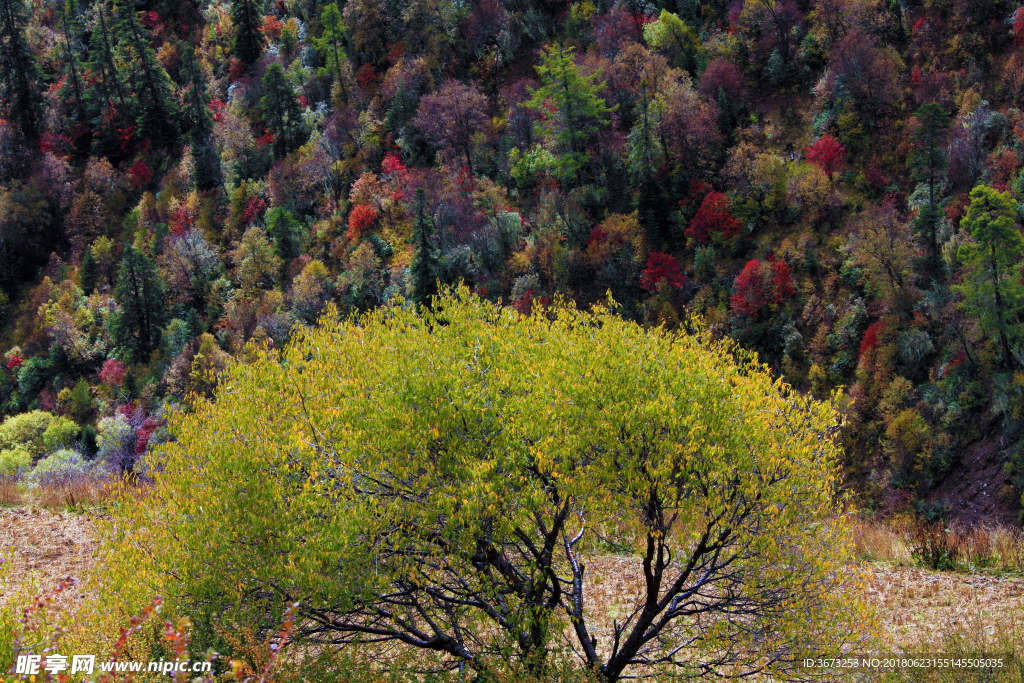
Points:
(443, 480)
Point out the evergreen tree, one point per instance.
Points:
(195, 113)
(992, 289)
(74, 86)
(572, 108)
(329, 44)
(19, 74)
(283, 228)
(425, 265)
(927, 162)
(89, 272)
(157, 116)
(248, 44)
(110, 110)
(194, 323)
(140, 295)
(281, 112)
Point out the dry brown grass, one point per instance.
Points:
(10, 494)
(48, 547)
(905, 542)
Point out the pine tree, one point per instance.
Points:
(283, 228)
(572, 107)
(281, 112)
(110, 110)
(195, 114)
(72, 32)
(19, 74)
(992, 289)
(157, 117)
(248, 44)
(89, 273)
(927, 162)
(140, 295)
(329, 44)
(425, 266)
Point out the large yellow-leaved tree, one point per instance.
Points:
(447, 481)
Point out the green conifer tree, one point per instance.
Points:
(928, 161)
(992, 287)
(89, 272)
(19, 75)
(248, 43)
(281, 112)
(329, 44)
(157, 116)
(425, 265)
(195, 114)
(571, 106)
(142, 316)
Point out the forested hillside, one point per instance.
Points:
(832, 183)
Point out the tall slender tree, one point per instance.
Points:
(248, 44)
(196, 117)
(424, 268)
(157, 116)
(571, 107)
(19, 74)
(281, 112)
(329, 44)
(992, 289)
(140, 294)
(928, 161)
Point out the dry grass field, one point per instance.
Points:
(921, 609)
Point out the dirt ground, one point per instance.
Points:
(47, 548)
(916, 605)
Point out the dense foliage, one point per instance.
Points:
(440, 482)
(818, 179)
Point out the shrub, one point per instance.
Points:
(14, 461)
(115, 442)
(371, 452)
(60, 434)
(25, 431)
(60, 469)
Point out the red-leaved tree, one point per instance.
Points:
(827, 154)
(660, 267)
(713, 217)
(761, 283)
(360, 221)
(112, 373)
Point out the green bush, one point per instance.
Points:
(60, 434)
(14, 461)
(26, 431)
(59, 469)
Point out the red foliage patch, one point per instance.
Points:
(360, 221)
(139, 174)
(271, 27)
(236, 69)
(254, 209)
(826, 154)
(761, 283)
(112, 373)
(870, 341)
(365, 76)
(713, 217)
(217, 109)
(876, 179)
(14, 361)
(660, 266)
